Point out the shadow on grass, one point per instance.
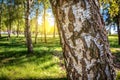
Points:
(5, 78)
(20, 57)
(13, 54)
(113, 39)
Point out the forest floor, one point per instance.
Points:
(46, 63)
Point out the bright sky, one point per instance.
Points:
(50, 18)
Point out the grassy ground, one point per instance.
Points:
(44, 64)
(115, 48)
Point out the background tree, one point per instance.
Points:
(44, 22)
(54, 32)
(84, 40)
(37, 3)
(1, 11)
(36, 28)
(46, 5)
(114, 12)
(19, 8)
(27, 26)
(10, 6)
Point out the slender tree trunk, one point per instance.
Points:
(1, 17)
(18, 27)
(54, 10)
(9, 30)
(9, 19)
(118, 29)
(0, 25)
(27, 28)
(44, 24)
(84, 40)
(54, 29)
(0, 31)
(36, 29)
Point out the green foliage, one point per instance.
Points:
(45, 3)
(114, 8)
(12, 12)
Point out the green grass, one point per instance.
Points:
(46, 63)
(115, 48)
(43, 64)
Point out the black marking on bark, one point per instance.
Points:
(71, 27)
(83, 4)
(84, 73)
(94, 50)
(71, 15)
(76, 34)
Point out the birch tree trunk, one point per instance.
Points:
(18, 28)
(0, 25)
(44, 22)
(27, 27)
(1, 16)
(9, 19)
(118, 28)
(36, 28)
(54, 29)
(84, 40)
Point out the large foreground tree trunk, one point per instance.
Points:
(84, 40)
(27, 27)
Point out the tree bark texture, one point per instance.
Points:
(27, 28)
(84, 40)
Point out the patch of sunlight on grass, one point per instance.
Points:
(114, 50)
(118, 75)
(47, 69)
(113, 39)
(15, 64)
(58, 49)
(43, 48)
